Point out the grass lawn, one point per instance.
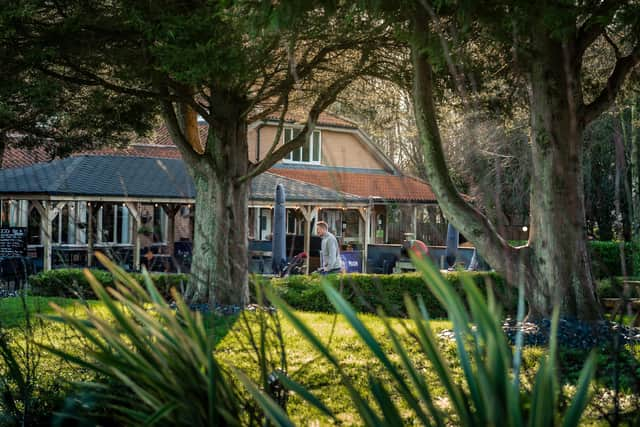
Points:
(304, 365)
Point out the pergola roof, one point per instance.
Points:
(263, 189)
(101, 176)
(141, 178)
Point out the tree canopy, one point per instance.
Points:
(227, 62)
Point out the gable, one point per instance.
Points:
(341, 147)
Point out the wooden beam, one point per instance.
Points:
(38, 205)
(414, 221)
(367, 236)
(90, 234)
(105, 199)
(171, 210)
(45, 229)
(307, 212)
(133, 209)
(47, 215)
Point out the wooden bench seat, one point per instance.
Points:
(616, 303)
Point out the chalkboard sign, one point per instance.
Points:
(13, 241)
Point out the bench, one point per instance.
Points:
(616, 303)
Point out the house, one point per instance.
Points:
(137, 203)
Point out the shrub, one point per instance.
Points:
(367, 292)
(72, 282)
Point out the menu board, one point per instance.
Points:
(13, 241)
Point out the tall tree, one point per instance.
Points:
(228, 62)
(549, 41)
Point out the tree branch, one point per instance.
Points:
(614, 46)
(324, 100)
(595, 24)
(188, 120)
(603, 101)
(93, 80)
(276, 139)
(173, 126)
(475, 226)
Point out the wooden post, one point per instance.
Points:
(307, 212)
(414, 221)
(90, 234)
(367, 236)
(171, 210)
(136, 224)
(364, 217)
(45, 228)
(47, 215)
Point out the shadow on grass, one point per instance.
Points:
(219, 326)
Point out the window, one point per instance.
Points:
(333, 218)
(309, 153)
(13, 213)
(292, 221)
(159, 225)
(114, 224)
(33, 227)
(351, 224)
(69, 226)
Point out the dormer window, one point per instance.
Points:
(309, 152)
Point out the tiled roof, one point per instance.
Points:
(101, 176)
(388, 187)
(328, 183)
(18, 157)
(138, 150)
(325, 119)
(263, 188)
(143, 177)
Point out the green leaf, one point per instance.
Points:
(581, 398)
(268, 405)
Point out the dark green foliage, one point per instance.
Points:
(605, 258)
(599, 177)
(609, 288)
(367, 292)
(72, 282)
(59, 116)
(606, 261)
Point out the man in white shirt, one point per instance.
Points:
(329, 250)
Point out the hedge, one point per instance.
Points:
(71, 283)
(366, 292)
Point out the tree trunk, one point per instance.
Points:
(219, 271)
(634, 142)
(558, 267)
(555, 265)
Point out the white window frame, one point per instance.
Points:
(289, 157)
(114, 238)
(295, 221)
